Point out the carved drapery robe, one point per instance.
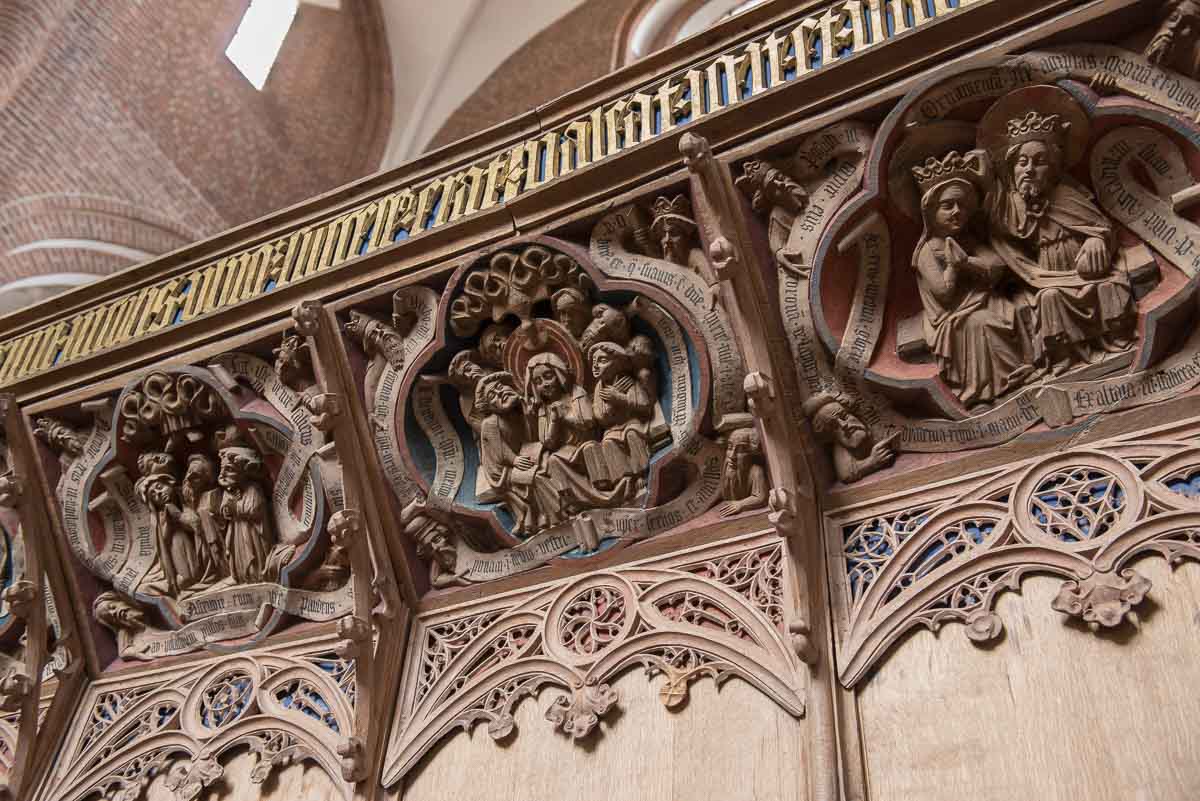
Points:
(626, 424)
(975, 332)
(248, 538)
(533, 504)
(1040, 244)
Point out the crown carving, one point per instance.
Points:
(1038, 127)
(954, 166)
(677, 208)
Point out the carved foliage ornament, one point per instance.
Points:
(719, 618)
(1044, 278)
(549, 404)
(284, 708)
(1083, 515)
(199, 499)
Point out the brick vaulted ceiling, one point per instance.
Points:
(126, 132)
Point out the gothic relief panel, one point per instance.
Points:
(550, 403)
(1009, 250)
(718, 613)
(203, 503)
(1084, 515)
(172, 734)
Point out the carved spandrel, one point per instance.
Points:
(547, 415)
(199, 499)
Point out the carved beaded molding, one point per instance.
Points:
(283, 707)
(717, 613)
(1083, 514)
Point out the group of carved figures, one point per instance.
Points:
(554, 439)
(1018, 268)
(213, 525)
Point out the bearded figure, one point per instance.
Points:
(249, 538)
(775, 193)
(855, 453)
(201, 515)
(675, 235)
(1174, 43)
(508, 461)
(744, 484)
(1052, 236)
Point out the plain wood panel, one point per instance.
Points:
(1052, 712)
(728, 745)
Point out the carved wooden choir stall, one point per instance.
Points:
(661, 444)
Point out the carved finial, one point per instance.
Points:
(12, 489)
(354, 631)
(345, 525)
(353, 753)
(1103, 599)
(760, 392)
(20, 596)
(307, 315)
(577, 714)
(694, 150)
(806, 652)
(324, 410)
(58, 437)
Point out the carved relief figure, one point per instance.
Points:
(201, 515)
(972, 326)
(624, 409)
(673, 235)
(1049, 231)
(855, 452)
(508, 461)
(744, 484)
(566, 426)
(158, 488)
(1174, 43)
(249, 538)
(775, 193)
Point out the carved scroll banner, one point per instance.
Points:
(420, 304)
(848, 144)
(1131, 73)
(612, 256)
(1149, 215)
(629, 525)
(447, 447)
(236, 613)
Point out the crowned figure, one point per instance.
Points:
(675, 231)
(973, 328)
(1049, 231)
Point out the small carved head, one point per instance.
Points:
(832, 419)
(491, 344)
(464, 371)
(239, 465)
(1180, 23)
(608, 360)
(608, 325)
(572, 310)
(674, 227)
(1036, 152)
(497, 394)
(547, 378)
(117, 612)
(768, 186)
(293, 362)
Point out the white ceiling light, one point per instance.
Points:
(259, 36)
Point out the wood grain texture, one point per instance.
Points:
(728, 744)
(1052, 712)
